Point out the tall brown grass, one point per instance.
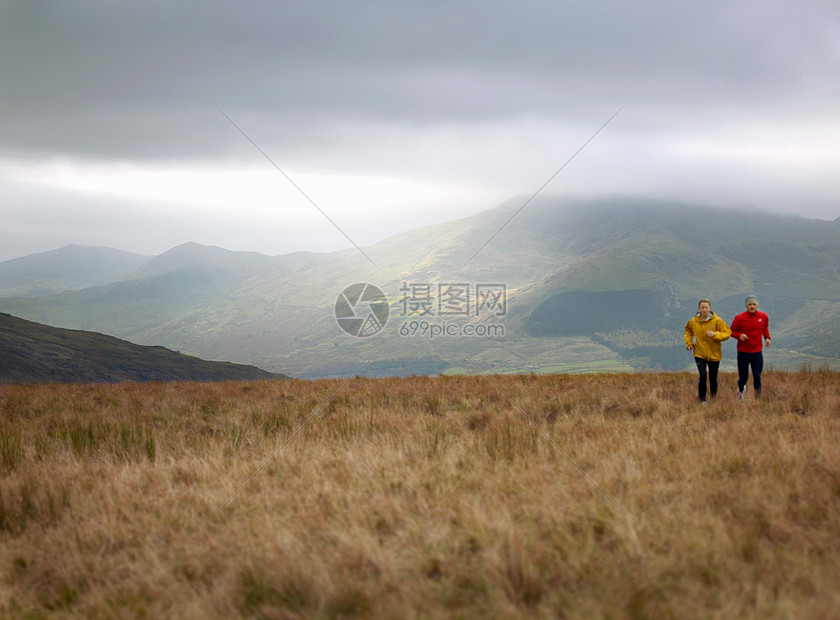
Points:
(422, 498)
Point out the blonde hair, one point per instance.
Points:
(704, 300)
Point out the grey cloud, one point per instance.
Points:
(126, 80)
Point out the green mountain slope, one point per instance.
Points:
(621, 245)
(648, 261)
(35, 353)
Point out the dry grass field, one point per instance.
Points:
(422, 498)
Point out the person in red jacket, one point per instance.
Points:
(750, 330)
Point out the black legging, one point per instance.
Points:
(745, 362)
(713, 373)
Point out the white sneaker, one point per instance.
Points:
(740, 394)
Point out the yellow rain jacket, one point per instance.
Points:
(706, 347)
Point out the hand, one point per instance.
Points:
(710, 333)
(767, 342)
(689, 347)
(743, 337)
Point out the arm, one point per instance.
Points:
(722, 332)
(766, 330)
(735, 330)
(689, 336)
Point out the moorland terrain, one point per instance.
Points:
(526, 496)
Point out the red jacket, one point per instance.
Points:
(755, 326)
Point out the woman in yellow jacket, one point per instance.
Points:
(703, 335)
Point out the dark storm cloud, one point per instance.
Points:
(140, 80)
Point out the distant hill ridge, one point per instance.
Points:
(555, 258)
(72, 267)
(35, 353)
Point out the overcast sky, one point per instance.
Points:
(391, 114)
